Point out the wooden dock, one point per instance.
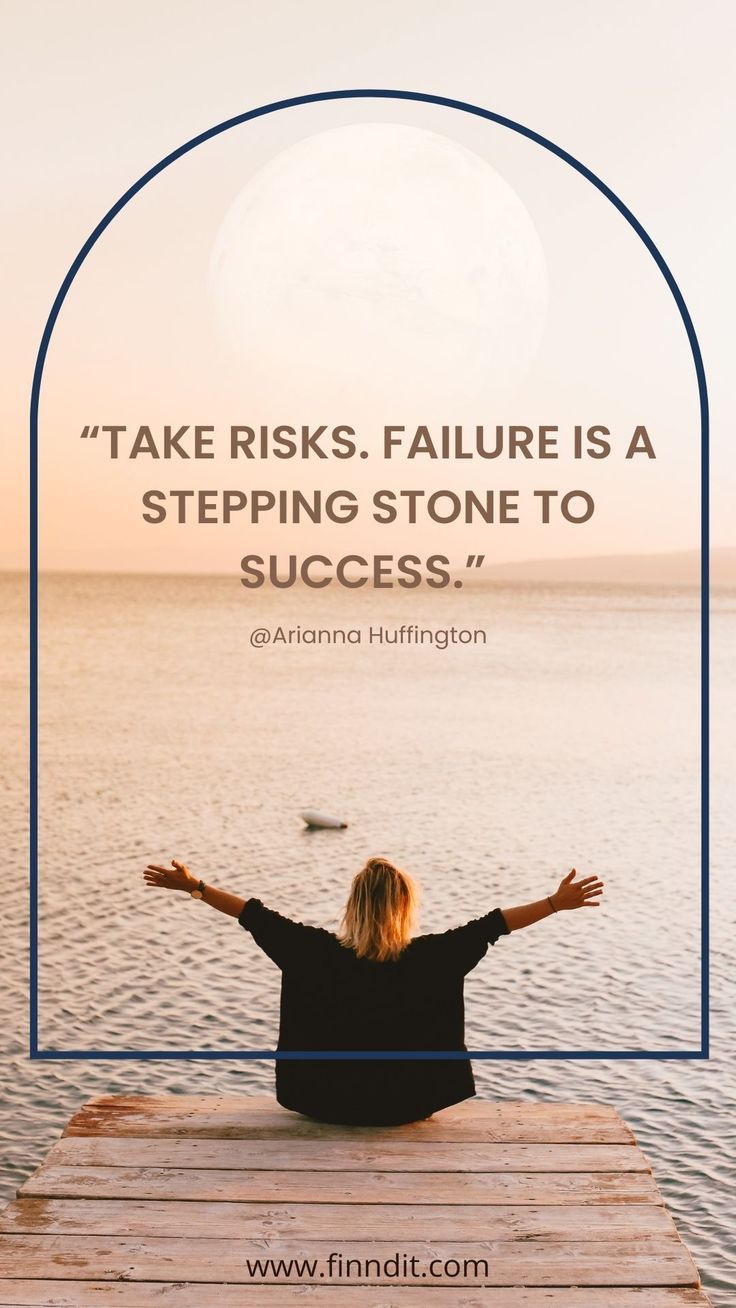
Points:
(182, 1201)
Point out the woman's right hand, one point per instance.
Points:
(577, 894)
(176, 877)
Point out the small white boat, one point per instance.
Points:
(315, 819)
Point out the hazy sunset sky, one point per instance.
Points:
(383, 262)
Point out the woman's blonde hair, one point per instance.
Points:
(379, 914)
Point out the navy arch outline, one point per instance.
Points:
(261, 111)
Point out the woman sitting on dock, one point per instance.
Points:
(374, 987)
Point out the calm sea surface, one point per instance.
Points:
(570, 737)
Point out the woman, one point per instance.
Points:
(374, 987)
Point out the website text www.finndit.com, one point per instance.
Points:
(396, 1267)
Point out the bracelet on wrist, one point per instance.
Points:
(551, 903)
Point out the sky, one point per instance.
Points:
(352, 283)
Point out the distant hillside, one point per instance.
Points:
(678, 569)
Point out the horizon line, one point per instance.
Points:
(488, 572)
(477, 573)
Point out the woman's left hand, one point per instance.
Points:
(176, 877)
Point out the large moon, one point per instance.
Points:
(380, 259)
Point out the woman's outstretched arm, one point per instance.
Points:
(569, 894)
(178, 877)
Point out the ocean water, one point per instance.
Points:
(566, 735)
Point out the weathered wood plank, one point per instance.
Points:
(339, 1155)
(341, 1187)
(226, 1117)
(325, 1221)
(266, 1105)
(657, 1261)
(163, 1294)
(520, 1131)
